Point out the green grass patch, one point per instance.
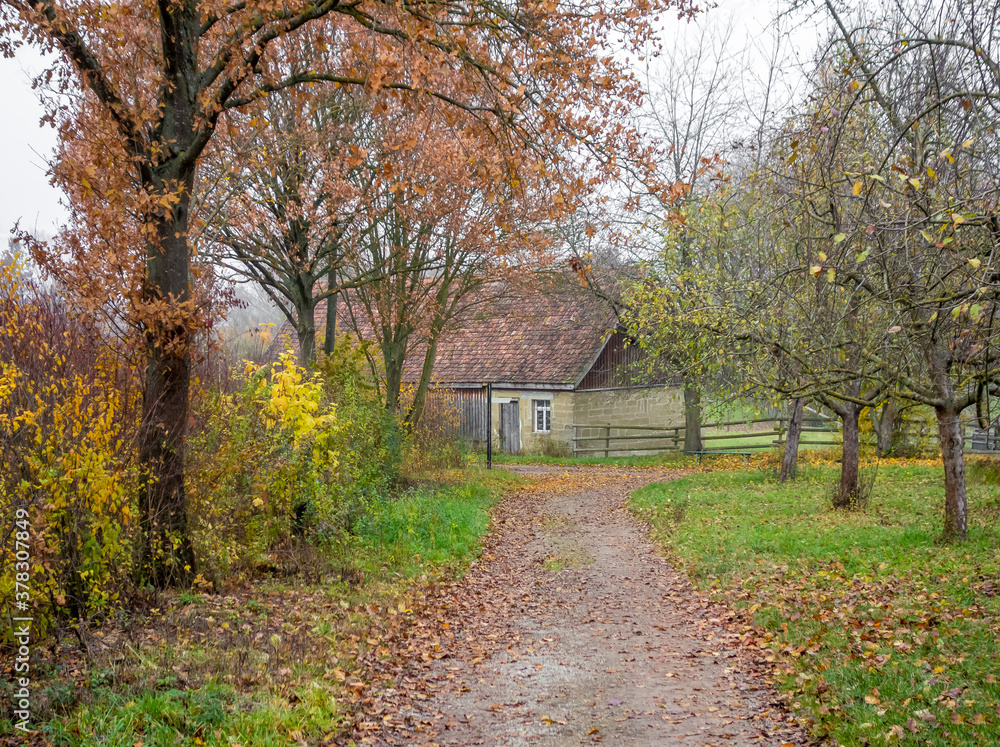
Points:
(666, 459)
(271, 663)
(878, 633)
(427, 528)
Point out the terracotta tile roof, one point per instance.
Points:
(547, 335)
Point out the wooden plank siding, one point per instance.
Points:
(621, 365)
(456, 413)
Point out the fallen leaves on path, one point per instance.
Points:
(567, 606)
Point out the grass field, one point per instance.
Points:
(878, 633)
(270, 662)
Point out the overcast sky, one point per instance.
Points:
(25, 147)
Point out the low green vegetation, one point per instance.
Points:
(665, 459)
(273, 662)
(878, 633)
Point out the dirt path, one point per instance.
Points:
(572, 630)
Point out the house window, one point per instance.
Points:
(543, 415)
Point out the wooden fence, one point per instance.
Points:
(610, 439)
(617, 440)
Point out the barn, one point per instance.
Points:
(564, 378)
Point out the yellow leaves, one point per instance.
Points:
(914, 182)
(957, 219)
(975, 263)
(815, 270)
(858, 186)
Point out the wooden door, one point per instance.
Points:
(510, 427)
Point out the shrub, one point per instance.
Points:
(69, 411)
(287, 463)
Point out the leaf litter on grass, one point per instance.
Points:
(876, 632)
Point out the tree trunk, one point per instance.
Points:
(417, 408)
(330, 332)
(789, 463)
(847, 493)
(394, 356)
(982, 416)
(885, 426)
(305, 329)
(955, 498)
(692, 418)
(950, 440)
(166, 556)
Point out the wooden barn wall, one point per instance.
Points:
(456, 413)
(622, 366)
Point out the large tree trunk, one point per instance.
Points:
(847, 493)
(956, 503)
(167, 557)
(789, 463)
(166, 554)
(692, 418)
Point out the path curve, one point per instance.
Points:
(572, 630)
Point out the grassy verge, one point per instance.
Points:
(878, 634)
(761, 438)
(272, 663)
(667, 459)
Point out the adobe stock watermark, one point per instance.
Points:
(21, 692)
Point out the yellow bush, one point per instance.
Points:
(68, 412)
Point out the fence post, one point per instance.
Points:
(489, 426)
(607, 441)
(574, 442)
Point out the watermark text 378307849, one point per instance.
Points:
(22, 621)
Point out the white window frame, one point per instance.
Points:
(541, 406)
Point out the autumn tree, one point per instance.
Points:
(691, 111)
(438, 238)
(917, 211)
(161, 78)
(279, 201)
(698, 114)
(878, 277)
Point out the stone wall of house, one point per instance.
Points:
(647, 408)
(559, 440)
